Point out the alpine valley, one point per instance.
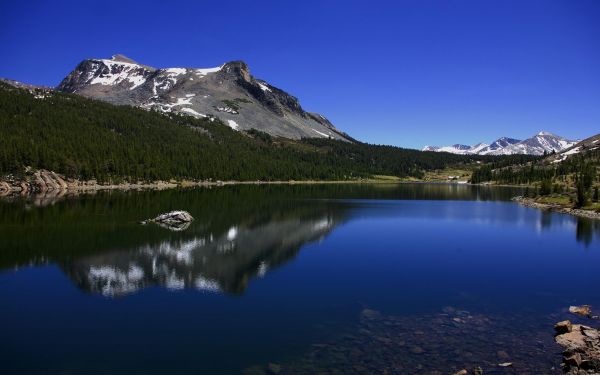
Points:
(115, 123)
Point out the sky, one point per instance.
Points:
(407, 73)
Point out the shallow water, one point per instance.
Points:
(326, 278)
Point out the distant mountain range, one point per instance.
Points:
(542, 142)
(228, 92)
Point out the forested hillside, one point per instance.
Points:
(576, 175)
(84, 139)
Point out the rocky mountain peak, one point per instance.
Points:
(122, 58)
(238, 68)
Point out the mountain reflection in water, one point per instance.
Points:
(239, 233)
(224, 262)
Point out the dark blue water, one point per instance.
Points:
(268, 274)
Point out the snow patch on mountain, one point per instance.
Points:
(203, 72)
(233, 125)
(113, 73)
(263, 86)
(192, 112)
(321, 133)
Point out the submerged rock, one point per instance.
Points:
(274, 368)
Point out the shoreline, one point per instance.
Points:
(555, 207)
(46, 185)
(43, 182)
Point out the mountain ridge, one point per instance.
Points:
(538, 144)
(228, 92)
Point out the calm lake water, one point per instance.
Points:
(291, 279)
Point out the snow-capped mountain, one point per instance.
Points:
(497, 145)
(228, 92)
(536, 145)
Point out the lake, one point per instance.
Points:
(297, 279)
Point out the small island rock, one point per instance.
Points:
(174, 217)
(583, 310)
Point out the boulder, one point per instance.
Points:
(581, 349)
(563, 327)
(174, 217)
(583, 310)
(174, 220)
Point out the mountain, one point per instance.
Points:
(497, 145)
(228, 92)
(536, 145)
(581, 148)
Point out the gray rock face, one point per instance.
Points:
(228, 92)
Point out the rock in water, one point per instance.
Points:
(174, 220)
(563, 327)
(174, 217)
(583, 310)
(581, 350)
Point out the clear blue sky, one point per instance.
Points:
(407, 73)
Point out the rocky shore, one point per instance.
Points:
(48, 182)
(581, 344)
(530, 202)
(43, 181)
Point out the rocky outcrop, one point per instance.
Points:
(47, 185)
(40, 181)
(174, 217)
(581, 346)
(174, 220)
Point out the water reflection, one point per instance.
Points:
(240, 233)
(213, 263)
(585, 229)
